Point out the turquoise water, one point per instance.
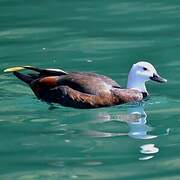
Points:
(105, 37)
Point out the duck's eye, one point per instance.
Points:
(145, 69)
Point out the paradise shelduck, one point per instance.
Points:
(87, 90)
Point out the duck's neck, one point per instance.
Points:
(136, 83)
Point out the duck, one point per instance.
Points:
(87, 90)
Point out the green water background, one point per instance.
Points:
(105, 37)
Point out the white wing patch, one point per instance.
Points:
(57, 70)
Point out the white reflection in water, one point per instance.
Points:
(136, 119)
(138, 129)
(145, 158)
(148, 149)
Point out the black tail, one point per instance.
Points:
(25, 78)
(34, 69)
(46, 72)
(28, 78)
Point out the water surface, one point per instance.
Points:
(123, 142)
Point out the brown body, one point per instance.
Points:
(78, 90)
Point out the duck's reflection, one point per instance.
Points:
(136, 119)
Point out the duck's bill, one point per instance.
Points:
(158, 78)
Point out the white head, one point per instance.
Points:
(140, 73)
